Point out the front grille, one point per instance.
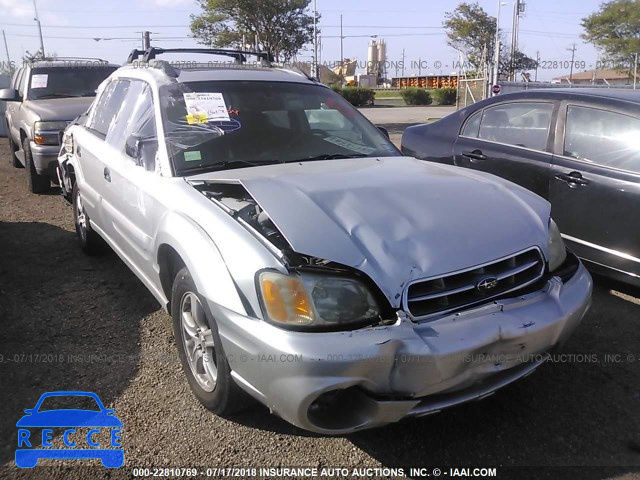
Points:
(479, 284)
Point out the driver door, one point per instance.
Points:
(93, 155)
(134, 184)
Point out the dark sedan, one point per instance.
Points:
(578, 148)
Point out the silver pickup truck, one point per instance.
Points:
(43, 97)
(305, 262)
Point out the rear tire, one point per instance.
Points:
(90, 242)
(200, 349)
(37, 183)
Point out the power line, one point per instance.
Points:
(383, 26)
(552, 34)
(95, 26)
(93, 38)
(124, 12)
(387, 35)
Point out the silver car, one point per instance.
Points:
(304, 261)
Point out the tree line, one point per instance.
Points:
(284, 27)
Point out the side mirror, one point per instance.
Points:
(132, 147)
(9, 94)
(384, 131)
(142, 150)
(29, 411)
(109, 411)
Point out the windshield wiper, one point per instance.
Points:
(328, 156)
(223, 166)
(55, 95)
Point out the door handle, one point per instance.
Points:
(476, 156)
(573, 179)
(107, 174)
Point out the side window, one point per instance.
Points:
(136, 111)
(134, 130)
(606, 138)
(108, 105)
(22, 81)
(15, 81)
(472, 126)
(521, 124)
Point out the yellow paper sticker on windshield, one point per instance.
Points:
(193, 118)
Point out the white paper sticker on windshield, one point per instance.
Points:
(39, 81)
(209, 106)
(354, 147)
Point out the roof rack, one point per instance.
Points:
(81, 58)
(240, 56)
(62, 59)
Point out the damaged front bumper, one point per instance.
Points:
(341, 382)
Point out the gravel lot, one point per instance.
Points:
(56, 302)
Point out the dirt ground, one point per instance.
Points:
(71, 322)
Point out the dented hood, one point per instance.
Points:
(396, 219)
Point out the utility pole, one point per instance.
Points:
(537, 64)
(518, 9)
(573, 56)
(341, 45)
(37, 19)
(635, 68)
(496, 53)
(9, 60)
(513, 39)
(314, 66)
(146, 40)
(402, 63)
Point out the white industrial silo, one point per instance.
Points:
(382, 58)
(372, 58)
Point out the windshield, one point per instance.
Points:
(61, 82)
(220, 125)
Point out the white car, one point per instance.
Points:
(305, 262)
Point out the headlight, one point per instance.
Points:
(311, 300)
(46, 133)
(557, 250)
(67, 143)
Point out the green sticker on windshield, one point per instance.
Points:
(192, 156)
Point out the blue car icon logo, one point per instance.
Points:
(32, 447)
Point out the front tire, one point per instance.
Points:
(200, 350)
(90, 242)
(37, 183)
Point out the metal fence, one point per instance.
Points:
(510, 87)
(470, 91)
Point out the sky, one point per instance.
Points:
(110, 30)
